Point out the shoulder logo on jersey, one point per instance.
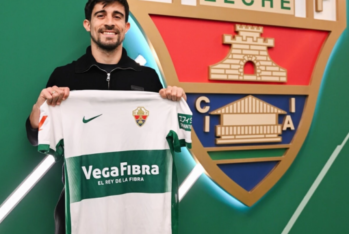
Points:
(88, 120)
(42, 121)
(185, 122)
(140, 115)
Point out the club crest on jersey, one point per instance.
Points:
(140, 115)
(251, 81)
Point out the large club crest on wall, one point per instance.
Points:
(252, 72)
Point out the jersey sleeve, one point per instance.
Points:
(50, 137)
(180, 134)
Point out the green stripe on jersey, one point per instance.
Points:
(107, 174)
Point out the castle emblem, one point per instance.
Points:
(140, 115)
(246, 47)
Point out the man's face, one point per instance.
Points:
(107, 26)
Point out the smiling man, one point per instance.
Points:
(105, 66)
(110, 36)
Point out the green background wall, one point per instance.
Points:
(36, 36)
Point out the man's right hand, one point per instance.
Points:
(54, 96)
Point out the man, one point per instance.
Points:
(105, 66)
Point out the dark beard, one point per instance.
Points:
(107, 47)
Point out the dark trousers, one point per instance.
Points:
(60, 214)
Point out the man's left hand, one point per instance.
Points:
(173, 93)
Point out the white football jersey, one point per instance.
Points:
(118, 151)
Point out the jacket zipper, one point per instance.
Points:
(108, 74)
(108, 80)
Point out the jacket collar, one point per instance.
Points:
(87, 61)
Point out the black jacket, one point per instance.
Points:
(85, 74)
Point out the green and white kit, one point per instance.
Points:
(118, 151)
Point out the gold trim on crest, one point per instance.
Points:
(142, 11)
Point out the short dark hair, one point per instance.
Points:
(91, 4)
